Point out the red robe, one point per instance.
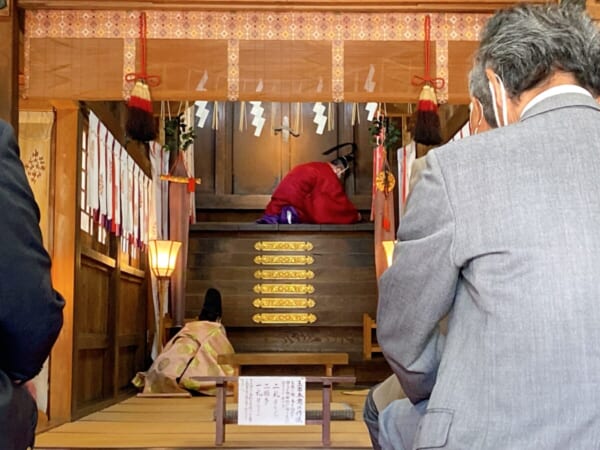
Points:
(316, 193)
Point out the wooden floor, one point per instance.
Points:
(170, 423)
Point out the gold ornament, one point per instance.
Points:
(385, 181)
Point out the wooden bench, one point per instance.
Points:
(328, 360)
(325, 420)
(238, 360)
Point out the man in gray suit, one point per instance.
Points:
(502, 235)
(480, 120)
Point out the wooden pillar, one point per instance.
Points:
(64, 238)
(9, 65)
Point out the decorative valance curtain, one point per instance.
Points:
(253, 55)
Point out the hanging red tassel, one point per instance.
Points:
(427, 124)
(140, 124)
(140, 117)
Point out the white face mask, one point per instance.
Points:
(504, 121)
(474, 128)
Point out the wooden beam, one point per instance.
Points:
(63, 255)
(9, 63)
(276, 5)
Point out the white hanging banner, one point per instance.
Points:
(320, 117)
(371, 108)
(258, 121)
(201, 113)
(93, 200)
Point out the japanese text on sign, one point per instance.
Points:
(271, 401)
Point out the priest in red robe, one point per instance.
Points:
(313, 193)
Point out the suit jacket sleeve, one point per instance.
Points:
(417, 291)
(30, 309)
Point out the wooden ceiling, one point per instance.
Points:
(275, 5)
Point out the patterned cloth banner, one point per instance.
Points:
(124, 197)
(102, 138)
(117, 190)
(35, 143)
(92, 200)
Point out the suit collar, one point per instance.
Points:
(560, 100)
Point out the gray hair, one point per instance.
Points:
(479, 88)
(525, 44)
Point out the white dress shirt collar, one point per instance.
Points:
(556, 90)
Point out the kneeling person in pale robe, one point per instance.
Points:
(190, 353)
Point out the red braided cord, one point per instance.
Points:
(437, 83)
(152, 80)
(143, 43)
(427, 42)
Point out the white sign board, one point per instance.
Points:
(271, 401)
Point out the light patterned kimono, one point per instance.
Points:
(191, 352)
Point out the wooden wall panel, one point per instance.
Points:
(60, 67)
(90, 379)
(92, 366)
(131, 329)
(259, 163)
(109, 330)
(343, 279)
(205, 146)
